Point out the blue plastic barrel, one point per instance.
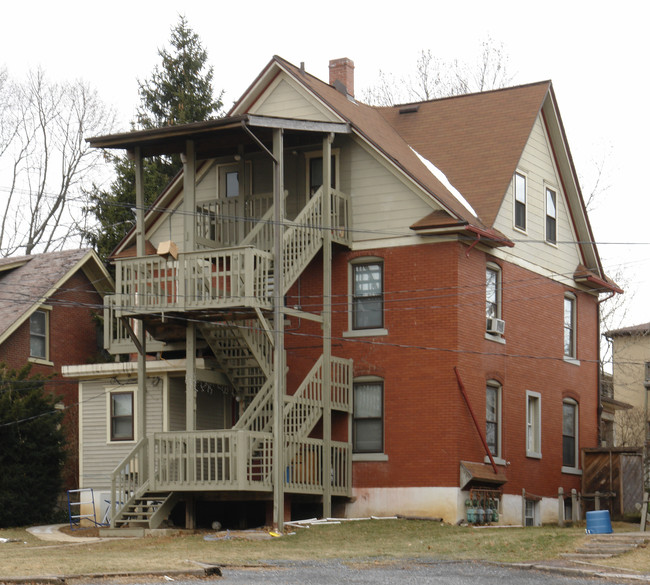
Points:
(598, 522)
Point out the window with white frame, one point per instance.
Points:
(551, 216)
(569, 326)
(533, 424)
(493, 417)
(121, 419)
(530, 513)
(38, 335)
(368, 417)
(494, 325)
(520, 201)
(368, 295)
(569, 435)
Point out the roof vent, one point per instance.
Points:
(409, 109)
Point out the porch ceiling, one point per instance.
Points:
(219, 137)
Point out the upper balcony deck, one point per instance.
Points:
(222, 279)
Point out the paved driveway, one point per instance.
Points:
(403, 573)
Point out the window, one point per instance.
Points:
(551, 216)
(569, 435)
(121, 420)
(368, 417)
(368, 296)
(569, 326)
(38, 335)
(493, 291)
(315, 172)
(229, 181)
(493, 418)
(533, 425)
(530, 513)
(520, 201)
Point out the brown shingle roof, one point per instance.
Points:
(34, 276)
(373, 126)
(475, 139)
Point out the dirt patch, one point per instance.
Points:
(84, 532)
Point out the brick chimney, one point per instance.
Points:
(342, 75)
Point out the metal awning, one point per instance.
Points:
(479, 474)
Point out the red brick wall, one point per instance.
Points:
(73, 340)
(435, 316)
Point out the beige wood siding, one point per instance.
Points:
(170, 227)
(383, 206)
(284, 98)
(537, 164)
(99, 456)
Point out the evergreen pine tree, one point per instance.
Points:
(33, 449)
(179, 91)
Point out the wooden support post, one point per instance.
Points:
(139, 203)
(644, 512)
(142, 383)
(597, 500)
(190, 377)
(278, 332)
(190, 512)
(560, 507)
(327, 326)
(189, 196)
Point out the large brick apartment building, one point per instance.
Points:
(359, 309)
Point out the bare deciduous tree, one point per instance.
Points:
(45, 162)
(630, 428)
(436, 78)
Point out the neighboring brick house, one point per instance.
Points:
(49, 305)
(630, 354)
(432, 334)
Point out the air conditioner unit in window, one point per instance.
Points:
(495, 326)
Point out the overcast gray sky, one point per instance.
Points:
(595, 53)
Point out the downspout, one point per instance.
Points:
(474, 243)
(478, 427)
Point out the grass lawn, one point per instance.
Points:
(374, 540)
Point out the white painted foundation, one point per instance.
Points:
(447, 503)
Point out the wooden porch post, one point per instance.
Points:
(189, 196)
(189, 245)
(142, 383)
(142, 336)
(139, 203)
(190, 377)
(278, 332)
(327, 326)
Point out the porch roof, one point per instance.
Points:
(217, 137)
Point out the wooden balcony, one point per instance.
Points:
(218, 279)
(209, 279)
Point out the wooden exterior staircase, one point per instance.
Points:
(146, 484)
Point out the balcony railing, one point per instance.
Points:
(197, 280)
